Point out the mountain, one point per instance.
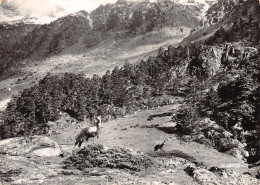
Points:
(215, 68)
(232, 20)
(40, 40)
(119, 20)
(217, 11)
(201, 59)
(144, 16)
(213, 75)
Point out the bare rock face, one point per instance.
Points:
(205, 61)
(36, 145)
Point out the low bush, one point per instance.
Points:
(96, 156)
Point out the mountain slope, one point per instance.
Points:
(215, 74)
(184, 70)
(120, 20)
(45, 39)
(238, 18)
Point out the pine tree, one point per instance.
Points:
(136, 20)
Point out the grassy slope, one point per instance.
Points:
(128, 133)
(125, 133)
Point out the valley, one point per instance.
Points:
(97, 60)
(179, 75)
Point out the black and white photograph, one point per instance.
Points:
(120, 92)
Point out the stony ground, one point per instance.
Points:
(132, 137)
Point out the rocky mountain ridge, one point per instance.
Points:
(232, 27)
(217, 11)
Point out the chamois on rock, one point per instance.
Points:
(89, 132)
(159, 146)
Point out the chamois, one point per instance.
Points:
(89, 132)
(159, 146)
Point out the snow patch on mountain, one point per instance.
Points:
(203, 5)
(43, 12)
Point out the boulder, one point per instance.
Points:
(35, 145)
(235, 152)
(209, 123)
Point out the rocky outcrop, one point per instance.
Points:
(33, 146)
(205, 61)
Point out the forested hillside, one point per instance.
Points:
(122, 19)
(43, 40)
(218, 78)
(117, 93)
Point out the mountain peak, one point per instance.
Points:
(81, 13)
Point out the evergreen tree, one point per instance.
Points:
(136, 20)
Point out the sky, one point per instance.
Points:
(48, 10)
(49, 7)
(56, 8)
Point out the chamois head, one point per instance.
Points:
(98, 119)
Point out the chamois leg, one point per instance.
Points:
(76, 143)
(80, 143)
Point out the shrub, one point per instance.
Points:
(96, 156)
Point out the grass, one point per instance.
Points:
(174, 153)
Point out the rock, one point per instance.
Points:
(37, 145)
(209, 113)
(235, 152)
(156, 183)
(186, 138)
(209, 123)
(238, 152)
(227, 134)
(47, 152)
(220, 176)
(198, 137)
(203, 176)
(135, 151)
(245, 153)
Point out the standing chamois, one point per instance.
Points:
(89, 132)
(159, 146)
